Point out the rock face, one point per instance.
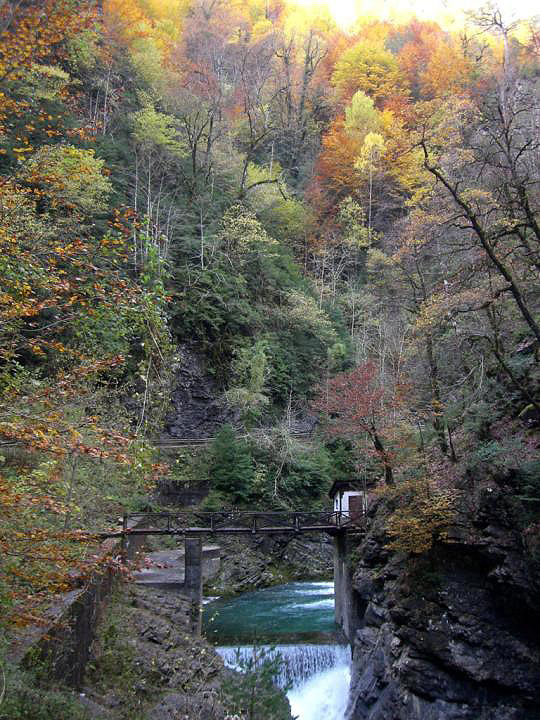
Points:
(198, 406)
(148, 665)
(255, 562)
(454, 636)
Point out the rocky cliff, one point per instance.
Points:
(253, 562)
(198, 406)
(454, 635)
(147, 665)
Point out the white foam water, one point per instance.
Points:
(319, 676)
(323, 697)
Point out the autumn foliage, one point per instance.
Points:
(355, 406)
(318, 212)
(69, 311)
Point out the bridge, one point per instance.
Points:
(191, 523)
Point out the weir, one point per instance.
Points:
(293, 623)
(298, 662)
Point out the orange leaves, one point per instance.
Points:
(124, 21)
(351, 401)
(336, 165)
(30, 49)
(431, 61)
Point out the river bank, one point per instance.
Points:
(147, 665)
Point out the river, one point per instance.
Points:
(298, 620)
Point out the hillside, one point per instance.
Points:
(315, 251)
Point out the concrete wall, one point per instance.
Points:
(347, 612)
(64, 643)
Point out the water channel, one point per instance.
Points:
(296, 619)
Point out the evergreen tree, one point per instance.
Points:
(231, 470)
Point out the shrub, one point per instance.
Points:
(421, 515)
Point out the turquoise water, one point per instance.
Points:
(293, 612)
(296, 620)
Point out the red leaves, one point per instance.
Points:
(354, 405)
(351, 401)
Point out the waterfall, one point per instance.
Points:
(300, 662)
(297, 621)
(318, 676)
(322, 697)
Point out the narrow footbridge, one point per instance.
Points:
(191, 526)
(231, 522)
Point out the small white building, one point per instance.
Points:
(348, 499)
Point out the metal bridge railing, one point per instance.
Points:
(234, 521)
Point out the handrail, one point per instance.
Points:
(239, 521)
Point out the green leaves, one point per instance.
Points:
(231, 469)
(361, 116)
(155, 131)
(68, 178)
(253, 692)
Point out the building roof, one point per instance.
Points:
(344, 485)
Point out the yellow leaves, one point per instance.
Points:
(373, 149)
(368, 67)
(445, 303)
(421, 514)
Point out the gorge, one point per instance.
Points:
(261, 261)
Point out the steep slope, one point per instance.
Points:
(455, 634)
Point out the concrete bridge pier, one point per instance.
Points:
(193, 580)
(346, 599)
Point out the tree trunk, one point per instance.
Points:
(381, 452)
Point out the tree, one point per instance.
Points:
(231, 468)
(32, 81)
(300, 99)
(361, 116)
(253, 692)
(353, 407)
(68, 179)
(501, 216)
(372, 150)
(432, 61)
(250, 369)
(336, 163)
(369, 67)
